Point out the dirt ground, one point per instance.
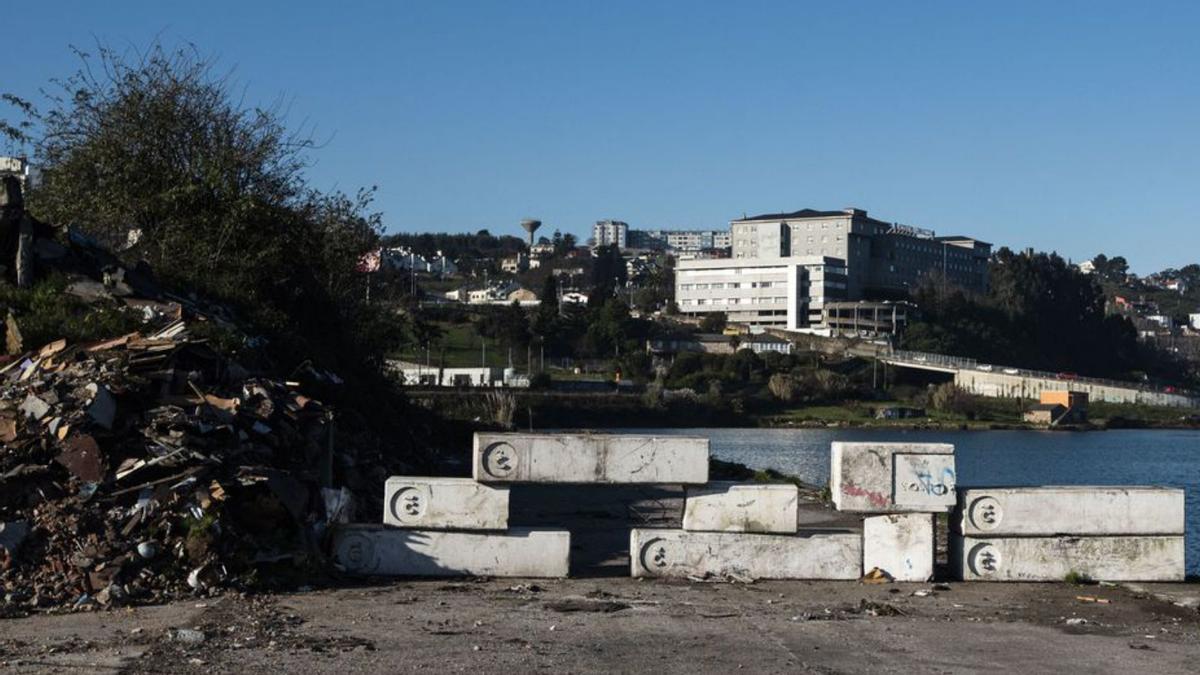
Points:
(626, 625)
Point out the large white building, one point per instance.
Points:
(787, 293)
(608, 232)
(881, 257)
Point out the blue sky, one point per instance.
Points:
(1067, 126)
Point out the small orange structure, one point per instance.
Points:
(1072, 400)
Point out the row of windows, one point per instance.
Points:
(701, 302)
(718, 286)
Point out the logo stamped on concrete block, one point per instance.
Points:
(500, 460)
(984, 560)
(654, 554)
(409, 504)
(986, 513)
(357, 553)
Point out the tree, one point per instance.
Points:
(608, 273)
(714, 322)
(160, 145)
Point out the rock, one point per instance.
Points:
(187, 636)
(34, 407)
(147, 549)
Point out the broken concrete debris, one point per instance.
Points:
(148, 466)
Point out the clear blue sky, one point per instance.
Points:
(1068, 126)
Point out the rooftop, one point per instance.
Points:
(804, 213)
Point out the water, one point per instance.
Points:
(992, 458)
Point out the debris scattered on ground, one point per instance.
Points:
(1092, 598)
(877, 576)
(872, 608)
(147, 466)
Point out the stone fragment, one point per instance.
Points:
(807, 555)
(34, 407)
(444, 504)
(1132, 558)
(368, 550)
(892, 477)
(1075, 510)
(590, 458)
(741, 507)
(901, 544)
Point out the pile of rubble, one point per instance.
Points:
(147, 466)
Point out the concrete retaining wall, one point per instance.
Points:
(996, 384)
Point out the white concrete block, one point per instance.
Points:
(444, 504)
(741, 507)
(384, 551)
(1075, 510)
(590, 458)
(901, 544)
(681, 554)
(892, 477)
(1133, 558)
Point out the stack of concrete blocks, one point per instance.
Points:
(449, 527)
(459, 526)
(1048, 533)
(900, 488)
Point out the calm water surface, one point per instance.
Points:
(992, 458)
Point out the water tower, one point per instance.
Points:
(530, 225)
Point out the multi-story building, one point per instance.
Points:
(678, 241)
(881, 258)
(788, 293)
(608, 232)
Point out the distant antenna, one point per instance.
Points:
(531, 225)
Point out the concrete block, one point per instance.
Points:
(901, 544)
(1133, 558)
(590, 458)
(375, 550)
(741, 507)
(1075, 510)
(892, 477)
(444, 504)
(681, 554)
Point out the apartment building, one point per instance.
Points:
(786, 293)
(608, 232)
(881, 258)
(679, 241)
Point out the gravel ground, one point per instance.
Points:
(626, 625)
